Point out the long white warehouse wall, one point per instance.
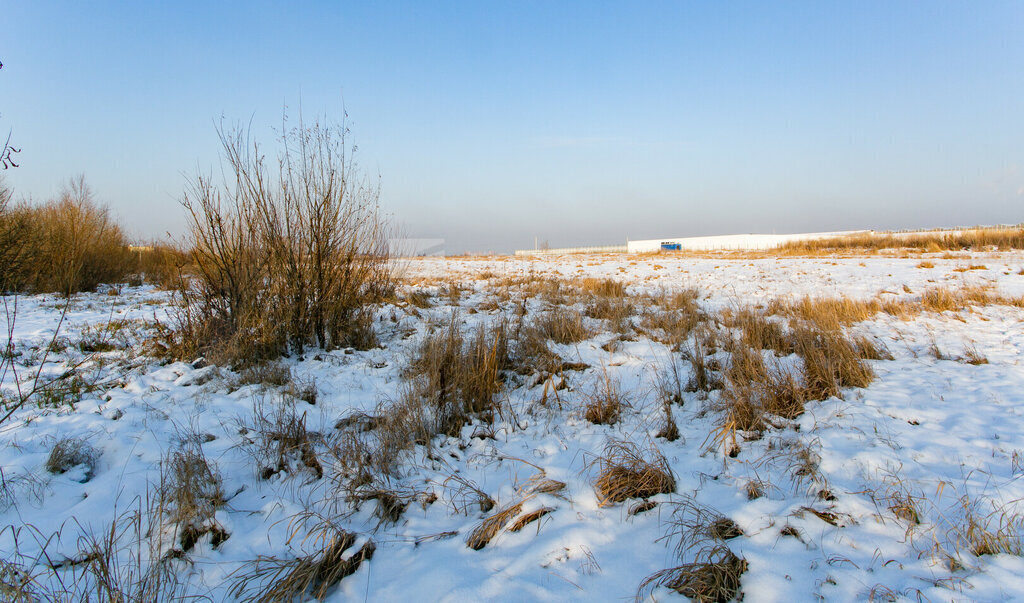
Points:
(739, 241)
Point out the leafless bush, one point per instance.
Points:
(79, 246)
(285, 257)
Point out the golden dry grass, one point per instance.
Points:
(624, 472)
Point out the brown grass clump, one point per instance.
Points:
(754, 391)
(603, 287)
(926, 264)
(270, 579)
(494, 524)
(616, 310)
(605, 404)
(68, 453)
(190, 494)
(491, 526)
(714, 577)
(282, 442)
(457, 378)
(830, 362)
(562, 325)
(758, 331)
(624, 473)
(832, 313)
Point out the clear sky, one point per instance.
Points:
(491, 123)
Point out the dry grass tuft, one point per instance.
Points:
(270, 579)
(714, 577)
(562, 325)
(282, 442)
(623, 472)
(605, 404)
(754, 391)
(603, 287)
(68, 453)
(456, 378)
(758, 331)
(491, 526)
(830, 362)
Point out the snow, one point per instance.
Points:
(946, 433)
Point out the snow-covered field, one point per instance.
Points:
(883, 494)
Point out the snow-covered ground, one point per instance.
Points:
(943, 436)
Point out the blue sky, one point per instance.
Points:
(491, 123)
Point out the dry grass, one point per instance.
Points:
(624, 472)
(271, 579)
(616, 310)
(457, 378)
(605, 403)
(562, 325)
(190, 493)
(713, 571)
(511, 517)
(603, 287)
(830, 362)
(758, 331)
(281, 442)
(702, 370)
(69, 452)
(979, 238)
(755, 391)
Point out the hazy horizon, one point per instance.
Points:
(575, 123)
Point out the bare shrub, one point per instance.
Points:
(624, 472)
(69, 452)
(161, 263)
(285, 257)
(18, 243)
(79, 246)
